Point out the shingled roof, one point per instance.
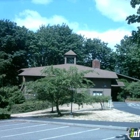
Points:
(70, 53)
(97, 73)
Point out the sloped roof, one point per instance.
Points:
(97, 73)
(70, 53)
(119, 84)
(127, 77)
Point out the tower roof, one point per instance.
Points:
(70, 53)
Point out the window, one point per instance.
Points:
(97, 93)
(70, 60)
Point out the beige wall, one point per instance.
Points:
(105, 91)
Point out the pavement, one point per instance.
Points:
(130, 107)
(43, 130)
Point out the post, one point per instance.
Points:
(71, 103)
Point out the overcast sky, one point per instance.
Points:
(103, 19)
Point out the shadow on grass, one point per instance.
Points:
(65, 113)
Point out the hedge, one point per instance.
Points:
(4, 114)
(29, 106)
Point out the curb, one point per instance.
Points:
(78, 124)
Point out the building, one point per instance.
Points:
(104, 80)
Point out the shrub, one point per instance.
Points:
(10, 96)
(15, 95)
(30, 106)
(123, 92)
(134, 89)
(101, 100)
(133, 99)
(4, 114)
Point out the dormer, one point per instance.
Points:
(70, 57)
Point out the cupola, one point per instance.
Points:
(70, 57)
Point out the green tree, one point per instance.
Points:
(134, 89)
(13, 45)
(60, 85)
(129, 52)
(135, 17)
(50, 43)
(100, 99)
(96, 49)
(10, 96)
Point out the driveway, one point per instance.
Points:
(130, 107)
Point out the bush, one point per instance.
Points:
(10, 96)
(133, 99)
(100, 99)
(30, 106)
(134, 89)
(123, 92)
(15, 95)
(4, 114)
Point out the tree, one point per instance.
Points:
(54, 41)
(96, 49)
(10, 96)
(60, 85)
(129, 52)
(13, 46)
(134, 89)
(123, 94)
(100, 99)
(134, 18)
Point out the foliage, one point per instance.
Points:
(134, 89)
(100, 99)
(60, 85)
(54, 41)
(123, 94)
(13, 46)
(22, 48)
(9, 96)
(96, 49)
(4, 101)
(133, 99)
(135, 17)
(82, 97)
(4, 114)
(29, 106)
(131, 90)
(129, 52)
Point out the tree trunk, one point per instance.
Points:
(101, 105)
(57, 108)
(52, 107)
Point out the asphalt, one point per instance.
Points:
(42, 130)
(124, 107)
(83, 123)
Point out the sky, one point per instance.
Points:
(102, 19)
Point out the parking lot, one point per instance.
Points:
(35, 130)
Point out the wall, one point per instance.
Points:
(31, 78)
